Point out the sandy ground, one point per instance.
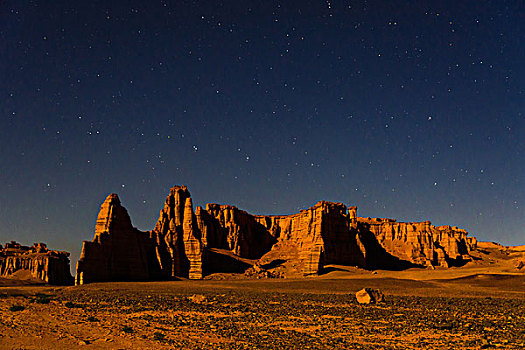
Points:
(479, 305)
(469, 312)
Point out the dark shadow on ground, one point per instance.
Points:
(273, 264)
(217, 262)
(325, 270)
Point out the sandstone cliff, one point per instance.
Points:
(417, 243)
(177, 237)
(49, 266)
(117, 251)
(188, 243)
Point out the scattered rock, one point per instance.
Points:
(369, 296)
(197, 298)
(259, 272)
(257, 268)
(261, 318)
(127, 329)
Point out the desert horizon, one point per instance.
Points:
(220, 278)
(356, 174)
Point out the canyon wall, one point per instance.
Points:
(188, 243)
(416, 243)
(49, 266)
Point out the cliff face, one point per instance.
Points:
(226, 227)
(418, 243)
(184, 242)
(318, 236)
(46, 265)
(118, 250)
(177, 237)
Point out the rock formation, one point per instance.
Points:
(49, 266)
(417, 243)
(177, 238)
(118, 252)
(191, 244)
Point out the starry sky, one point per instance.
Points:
(409, 109)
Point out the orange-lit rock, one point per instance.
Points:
(190, 244)
(418, 243)
(177, 237)
(369, 296)
(118, 251)
(49, 266)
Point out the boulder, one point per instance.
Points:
(369, 296)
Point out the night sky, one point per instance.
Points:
(408, 109)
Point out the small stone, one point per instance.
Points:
(485, 343)
(197, 298)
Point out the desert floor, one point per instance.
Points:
(453, 309)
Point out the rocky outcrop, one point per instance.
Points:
(49, 266)
(118, 251)
(319, 235)
(191, 244)
(225, 226)
(177, 237)
(314, 237)
(417, 243)
(258, 271)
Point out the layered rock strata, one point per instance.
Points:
(416, 243)
(118, 251)
(177, 237)
(49, 266)
(187, 243)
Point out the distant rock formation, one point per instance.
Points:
(185, 243)
(49, 266)
(418, 243)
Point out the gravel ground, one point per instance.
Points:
(193, 316)
(254, 320)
